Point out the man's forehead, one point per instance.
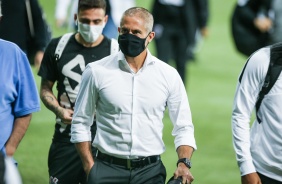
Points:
(99, 11)
(132, 23)
(133, 29)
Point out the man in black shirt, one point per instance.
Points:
(83, 47)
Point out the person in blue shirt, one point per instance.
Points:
(18, 100)
(18, 97)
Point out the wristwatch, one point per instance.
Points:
(186, 161)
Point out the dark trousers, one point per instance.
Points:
(171, 44)
(106, 173)
(267, 180)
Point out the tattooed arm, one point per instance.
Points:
(50, 101)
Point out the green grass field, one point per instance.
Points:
(210, 85)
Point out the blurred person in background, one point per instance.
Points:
(64, 11)
(61, 12)
(23, 23)
(114, 11)
(255, 24)
(276, 31)
(86, 45)
(176, 25)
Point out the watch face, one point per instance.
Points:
(186, 161)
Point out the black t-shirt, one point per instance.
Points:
(67, 72)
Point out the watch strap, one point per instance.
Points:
(186, 161)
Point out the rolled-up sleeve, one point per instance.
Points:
(84, 109)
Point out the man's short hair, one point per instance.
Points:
(89, 4)
(143, 14)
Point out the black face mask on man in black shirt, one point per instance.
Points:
(131, 45)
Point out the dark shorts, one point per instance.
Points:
(64, 163)
(266, 180)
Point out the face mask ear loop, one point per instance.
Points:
(146, 38)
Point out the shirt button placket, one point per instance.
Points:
(133, 119)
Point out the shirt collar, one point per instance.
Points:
(124, 65)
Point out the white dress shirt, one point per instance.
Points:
(261, 148)
(130, 107)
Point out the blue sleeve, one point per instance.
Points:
(27, 100)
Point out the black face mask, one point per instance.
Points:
(131, 45)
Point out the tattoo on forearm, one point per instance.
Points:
(48, 98)
(50, 102)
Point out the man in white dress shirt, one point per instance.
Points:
(129, 92)
(259, 150)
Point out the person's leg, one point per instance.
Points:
(106, 173)
(151, 174)
(179, 53)
(64, 163)
(267, 180)
(163, 42)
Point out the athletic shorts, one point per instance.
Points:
(65, 165)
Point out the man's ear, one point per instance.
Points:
(106, 19)
(151, 36)
(75, 18)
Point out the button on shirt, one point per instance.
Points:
(130, 107)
